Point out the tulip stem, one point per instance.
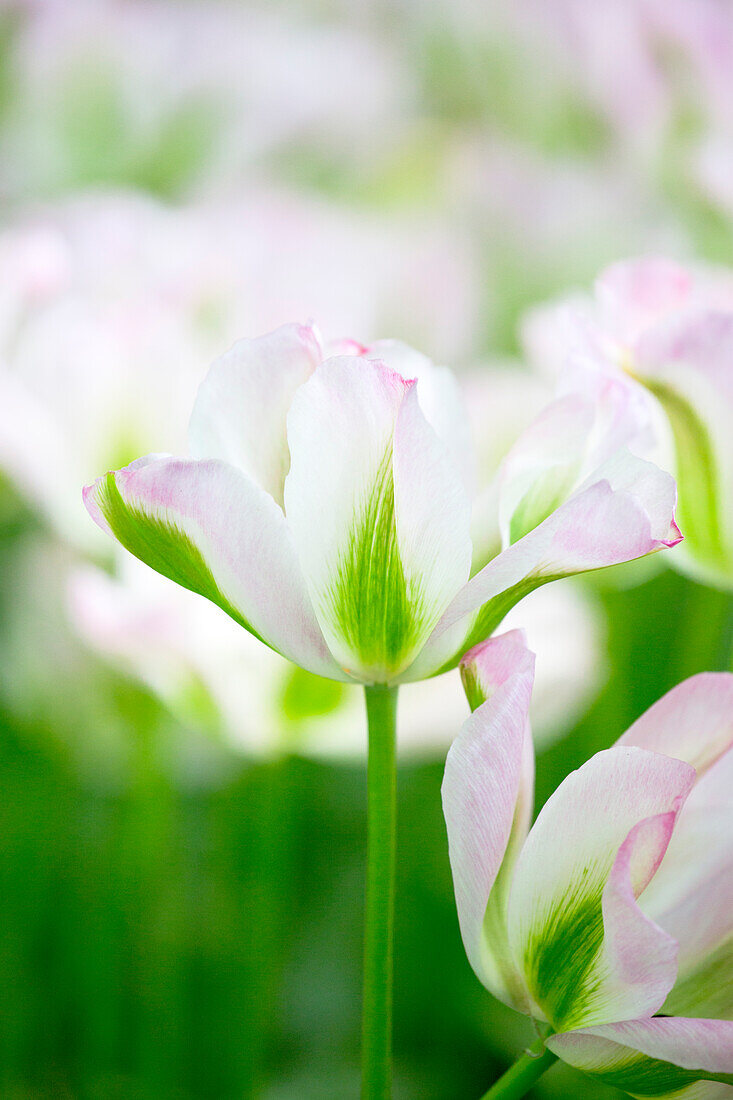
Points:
(519, 1078)
(381, 704)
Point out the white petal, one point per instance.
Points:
(242, 404)
(378, 513)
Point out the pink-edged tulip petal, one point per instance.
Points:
(242, 405)
(208, 527)
(487, 795)
(666, 331)
(556, 915)
(691, 897)
(652, 1057)
(693, 721)
(638, 958)
(439, 396)
(686, 365)
(379, 515)
(624, 512)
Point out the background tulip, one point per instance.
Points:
(668, 328)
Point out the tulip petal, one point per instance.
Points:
(652, 1057)
(692, 722)
(623, 512)
(575, 435)
(686, 365)
(487, 796)
(379, 515)
(542, 469)
(638, 958)
(439, 396)
(691, 897)
(212, 530)
(242, 404)
(704, 982)
(567, 926)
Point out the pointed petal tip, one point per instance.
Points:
(676, 535)
(392, 376)
(491, 663)
(348, 360)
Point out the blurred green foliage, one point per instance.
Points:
(97, 142)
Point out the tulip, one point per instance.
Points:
(179, 645)
(609, 921)
(326, 506)
(668, 333)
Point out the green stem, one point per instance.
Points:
(518, 1080)
(381, 704)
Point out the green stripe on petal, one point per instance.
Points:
(642, 1076)
(560, 956)
(698, 478)
(377, 609)
(574, 926)
(377, 512)
(163, 546)
(623, 512)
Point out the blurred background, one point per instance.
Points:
(182, 815)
